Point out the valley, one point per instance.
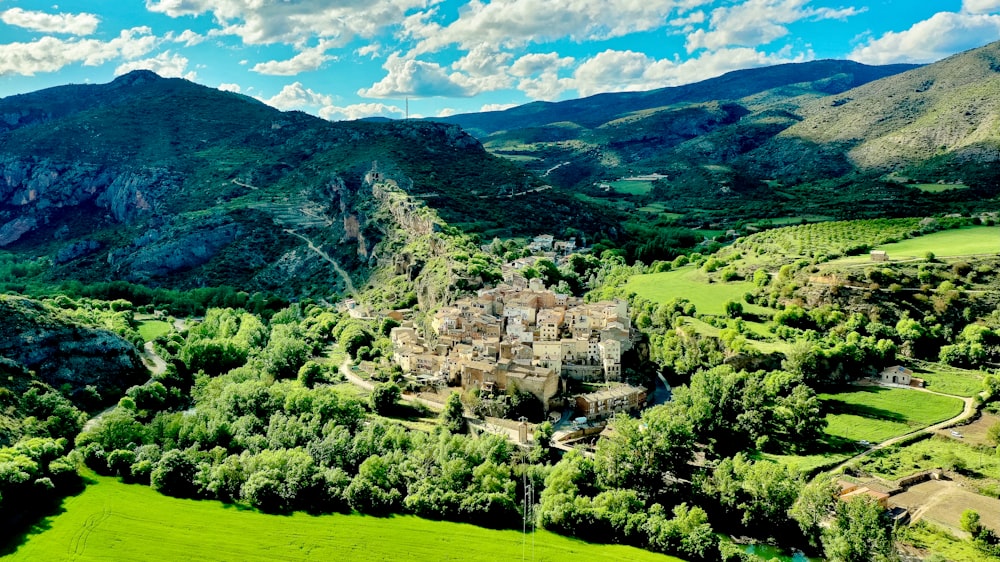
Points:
(400, 339)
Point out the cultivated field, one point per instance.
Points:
(875, 414)
(692, 284)
(942, 502)
(975, 433)
(115, 521)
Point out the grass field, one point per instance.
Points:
(115, 521)
(954, 242)
(152, 329)
(938, 187)
(875, 413)
(946, 243)
(632, 187)
(950, 380)
(690, 283)
(937, 452)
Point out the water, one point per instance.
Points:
(768, 552)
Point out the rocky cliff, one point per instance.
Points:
(62, 352)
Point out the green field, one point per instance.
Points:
(954, 242)
(950, 380)
(875, 413)
(631, 187)
(946, 243)
(115, 521)
(692, 284)
(152, 329)
(938, 187)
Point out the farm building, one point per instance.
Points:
(879, 255)
(896, 375)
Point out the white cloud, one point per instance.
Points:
(617, 71)
(980, 6)
(165, 64)
(943, 34)
(259, 22)
(447, 112)
(535, 63)
(370, 50)
(409, 77)
(758, 22)
(496, 106)
(188, 37)
(360, 111)
(307, 60)
(227, 87)
(49, 54)
(508, 23)
(297, 96)
(70, 24)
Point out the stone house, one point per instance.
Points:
(608, 402)
(896, 374)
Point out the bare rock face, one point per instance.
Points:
(61, 352)
(175, 251)
(34, 191)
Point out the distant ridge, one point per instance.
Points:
(834, 76)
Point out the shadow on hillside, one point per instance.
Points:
(32, 517)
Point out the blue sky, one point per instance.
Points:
(345, 59)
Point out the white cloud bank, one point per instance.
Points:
(930, 40)
(50, 54)
(70, 24)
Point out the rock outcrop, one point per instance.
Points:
(62, 352)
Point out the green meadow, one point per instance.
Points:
(110, 520)
(632, 187)
(876, 413)
(943, 244)
(692, 284)
(152, 329)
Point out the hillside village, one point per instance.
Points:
(522, 336)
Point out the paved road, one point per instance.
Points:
(967, 411)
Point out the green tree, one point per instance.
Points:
(816, 501)
(860, 532)
(174, 475)
(384, 397)
(453, 415)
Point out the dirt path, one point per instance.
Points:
(967, 411)
(336, 266)
(153, 363)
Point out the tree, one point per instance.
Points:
(860, 532)
(815, 502)
(174, 475)
(453, 415)
(384, 397)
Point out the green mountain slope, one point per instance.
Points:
(944, 113)
(167, 183)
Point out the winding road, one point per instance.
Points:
(336, 266)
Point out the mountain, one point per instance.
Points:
(579, 142)
(825, 138)
(168, 183)
(824, 76)
(944, 115)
